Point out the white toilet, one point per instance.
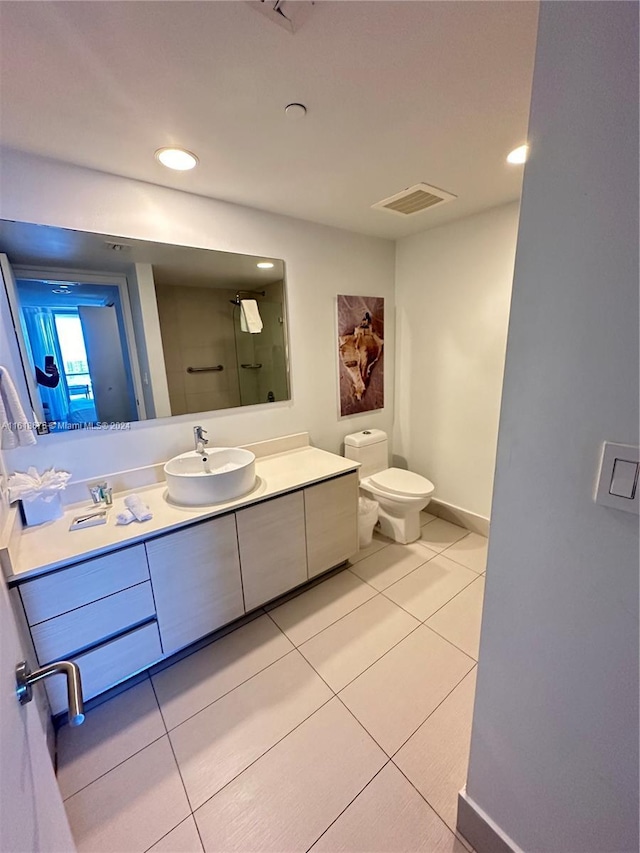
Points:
(401, 494)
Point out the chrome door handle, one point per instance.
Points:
(25, 679)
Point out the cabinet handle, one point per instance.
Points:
(25, 679)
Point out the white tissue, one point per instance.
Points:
(139, 509)
(125, 517)
(29, 486)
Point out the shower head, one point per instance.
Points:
(237, 300)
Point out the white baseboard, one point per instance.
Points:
(457, 515)
(484, 835)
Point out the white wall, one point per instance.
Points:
(453, 288)
(320, 263)
(554, 750)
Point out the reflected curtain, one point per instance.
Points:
(43, 338)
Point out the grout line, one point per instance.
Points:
(448, 601)
(388, 761)
(186, 793)
(306, 639)
(442, 637)
(340, 618)
(441, 702)
(222, 695)
(273, 745)
(119, 764)
(437, 814)
(369, 665)
(410, 572)
(170, 831)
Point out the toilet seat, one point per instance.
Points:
(401, 483)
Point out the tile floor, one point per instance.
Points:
(337, 720)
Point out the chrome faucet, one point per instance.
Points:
(199, 438)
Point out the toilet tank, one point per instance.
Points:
(370, 448)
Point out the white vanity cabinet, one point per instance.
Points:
(331, 518)
(195, 574)
(121, 612)
(273, 551)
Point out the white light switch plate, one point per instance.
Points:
(622, 453)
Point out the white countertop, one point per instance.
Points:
(51, 545)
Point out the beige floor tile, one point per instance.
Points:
(287, 798)
(439, 534)
(389, 816)
(377, 544)
(459, 620)
(345, 649)
(223, 739)
(470, 552)
(111, 733)
(183, 839)
(132, 806)
(435, 758)
(198, 680)
(392, 563)
(430, 586)
(426, 517)
(312, 611)
(396, 695)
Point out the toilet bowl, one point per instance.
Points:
(402, 495)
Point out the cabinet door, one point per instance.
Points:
(195, 574)
(272, 548)
(331, 515)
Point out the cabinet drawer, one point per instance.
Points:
(58, 637)
(83, 583)
(110, 663)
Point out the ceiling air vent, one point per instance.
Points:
(414, 200)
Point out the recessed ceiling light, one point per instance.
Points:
(177, 158)
(295, 111)
(518, 155)
(265, 265)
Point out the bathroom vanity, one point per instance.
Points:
(118, 599)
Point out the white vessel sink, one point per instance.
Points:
(217, 475)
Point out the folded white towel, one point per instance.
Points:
(16, 430)
(250, 319)
(138, 507)
(125, 517)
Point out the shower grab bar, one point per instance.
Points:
(251, 366)
(204, 369)
(25, 679)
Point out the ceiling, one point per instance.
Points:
(397, 93)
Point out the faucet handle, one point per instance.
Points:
(199, 434)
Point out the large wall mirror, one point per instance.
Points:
(113, 330)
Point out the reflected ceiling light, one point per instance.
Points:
(265, 265)
(60, 290)
(176, 158)
(518, 155)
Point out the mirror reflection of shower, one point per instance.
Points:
(261, 356)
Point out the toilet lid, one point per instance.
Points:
(396, 481)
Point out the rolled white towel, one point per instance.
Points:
(138, 507)
(125, 517)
